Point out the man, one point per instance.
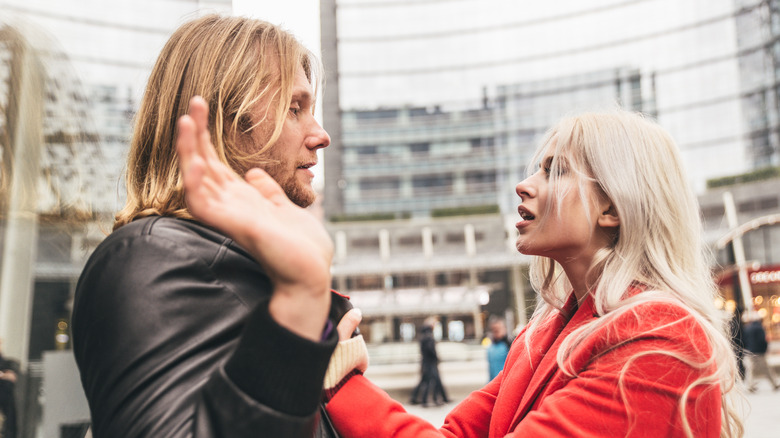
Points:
(498, 349)
(171, 316)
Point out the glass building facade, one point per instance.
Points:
(457, 54)
(415, 161)
(71, 77)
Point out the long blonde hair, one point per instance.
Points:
(659, 243)
(234, 63)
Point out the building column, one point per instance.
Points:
(479, 327)
(21, 227)
(518, 287)
(739, 252)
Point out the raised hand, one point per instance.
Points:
(288, 241)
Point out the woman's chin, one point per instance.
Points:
(524, 247)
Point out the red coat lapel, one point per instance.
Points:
(549, 343)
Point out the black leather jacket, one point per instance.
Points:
(172, 337)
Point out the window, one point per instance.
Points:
(481, 177)
(713, 213)
(366, 242)
(455, 237)
(767, 203)
(413, 240)
(431, 184)
(419, 148)
(365, 282)
(477, 143)
(456, 331)
(381, 183)
(379, 114)
(407, 331)
(366, 150)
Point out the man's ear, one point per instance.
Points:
(608, 217)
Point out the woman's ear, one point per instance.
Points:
(608, 217)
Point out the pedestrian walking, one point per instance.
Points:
(430, 379)
(756, 346)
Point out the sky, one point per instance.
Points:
(301, 17)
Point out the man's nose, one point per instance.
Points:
(318, 138)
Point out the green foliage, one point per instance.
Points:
(755, 175)
(465, 211)
(369, 217)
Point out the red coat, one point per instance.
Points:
(534, 397)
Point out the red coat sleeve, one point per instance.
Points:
(382, 416)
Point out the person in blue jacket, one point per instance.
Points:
(499, 345)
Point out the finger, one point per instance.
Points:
(196, 177)
(349, 323)
(192, 179)
(185, 141)
(263, 183)
(199, 111)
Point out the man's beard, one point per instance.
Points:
(302, 196)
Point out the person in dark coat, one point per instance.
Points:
(738, 341)
(430, 380)
(756, 345)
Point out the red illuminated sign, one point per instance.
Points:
(763, 277)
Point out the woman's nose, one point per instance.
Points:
(524, 188)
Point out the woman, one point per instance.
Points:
(625, 340)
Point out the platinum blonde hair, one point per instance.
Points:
(659, 244)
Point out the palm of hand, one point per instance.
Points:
(287, 240)
(256, 213)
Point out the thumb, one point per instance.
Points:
(348, 324)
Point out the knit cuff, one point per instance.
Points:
(329, 393)
(349, 355)
(278, 368)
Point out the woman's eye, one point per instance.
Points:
(559, 171)
(295, 111)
